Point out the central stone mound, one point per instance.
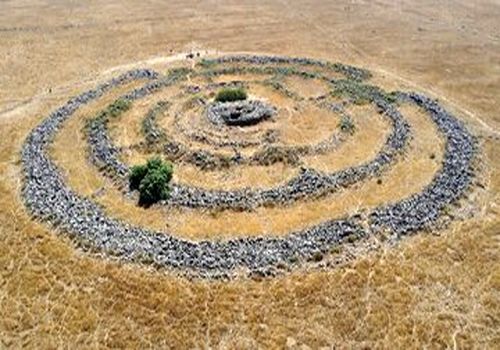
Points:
(239, 113)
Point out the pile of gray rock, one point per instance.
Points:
(239, 113)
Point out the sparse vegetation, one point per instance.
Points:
(179, 72)
(347, 125)
(115, 109)
(151, 179)
(276, 84)
(231, 94)
(361, 93)
(152, 132)
(273, 154)
(206, 63)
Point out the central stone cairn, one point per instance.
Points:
(239, 113)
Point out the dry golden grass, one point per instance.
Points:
(126, 130)
(308, 123)
(227, 78)
(235, 177)
(307, 87)
(418, 294)
(371, 132)
(430, 291)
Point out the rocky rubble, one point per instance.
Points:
(266, 141)
(239, 113)
(422, 209)
(349, 71)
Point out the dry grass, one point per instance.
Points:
(371, 132)
(126, 130)
(227, 78)
(430, 291)
(307, 87)
(235, 177)
(308, 123)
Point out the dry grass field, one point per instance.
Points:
(437, 289)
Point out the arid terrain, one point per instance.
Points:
(437, 288)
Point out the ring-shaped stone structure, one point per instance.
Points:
(156, 137)
(49, 198)
(308, 183)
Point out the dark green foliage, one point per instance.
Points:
(153, 187)
(137, 173)
(151, 180)
(231, 94)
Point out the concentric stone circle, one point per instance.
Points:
(308, 183)
(48, 197)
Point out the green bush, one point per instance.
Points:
(206, 63)
(231, 94)
(137, 173)
(152, 180)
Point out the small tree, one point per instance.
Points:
(152, 180)
(231, 94)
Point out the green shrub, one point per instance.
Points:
(231, 94)
(152, 180)
(153, 187)
(137, 173)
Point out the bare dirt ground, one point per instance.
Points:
(436, 290)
